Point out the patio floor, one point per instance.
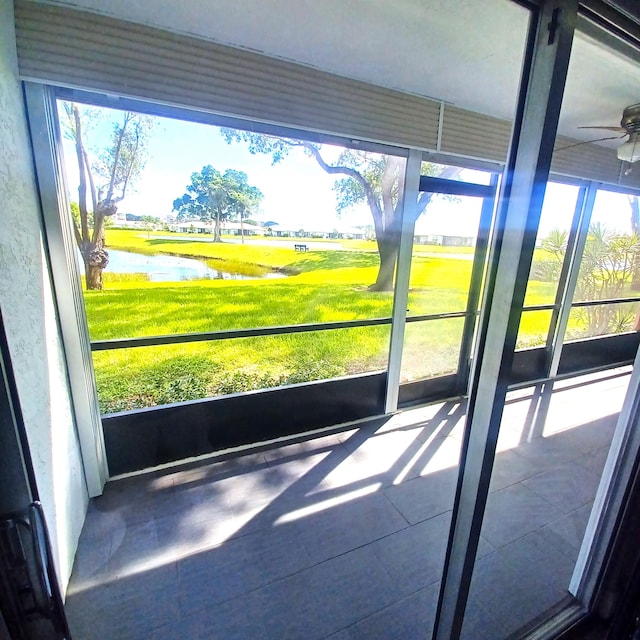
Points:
(343, 536)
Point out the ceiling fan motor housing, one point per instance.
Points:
(631, 118)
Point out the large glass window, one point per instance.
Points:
(190, 228)
(609, 268)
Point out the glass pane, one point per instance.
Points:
(554, 438)
(603, 319)
(610, 266)
(534, 329)
(217, 228)
(551, 243)
(148, 376)
(431, 348)
(552, 446)
(442, 262)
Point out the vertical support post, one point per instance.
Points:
(568, 283)
(403, 272)
(520, 205)
(475, 286)
(45, 140)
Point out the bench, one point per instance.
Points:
(301, 247)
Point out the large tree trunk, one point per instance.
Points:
(94, 253)
(95, 259)
(93, 276)
(216, 228)
(388, 252)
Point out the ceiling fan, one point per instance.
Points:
(628, 151)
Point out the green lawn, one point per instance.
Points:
(322, 286)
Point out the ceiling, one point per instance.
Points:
(465, 52)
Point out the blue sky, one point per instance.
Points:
(297, 192)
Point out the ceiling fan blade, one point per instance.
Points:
(620, 129)
(577, 144)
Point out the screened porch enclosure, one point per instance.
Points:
(404, 400)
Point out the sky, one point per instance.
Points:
(297, 192)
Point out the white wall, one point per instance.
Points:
(29, 313)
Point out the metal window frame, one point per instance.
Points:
(45, 141)
(403, 273)
(540, 98)
(417, 183)
(610, 497)
(478, 274)
(568, 278)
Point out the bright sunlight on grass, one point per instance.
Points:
(321, 285)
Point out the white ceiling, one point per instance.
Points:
(465, 52)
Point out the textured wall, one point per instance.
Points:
(28, 309)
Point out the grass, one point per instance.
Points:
(323, 286)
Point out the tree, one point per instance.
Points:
(216, 196)
(371, 178)
(549, 268)
(634, 203)
(149, 224)
(105, 180)
(606, 269)
(244, 199)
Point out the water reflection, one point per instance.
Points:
(162, 268)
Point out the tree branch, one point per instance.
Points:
(133, 159)
(78, 235)
(116, 157)
(94, 195)
(389, 176)
(372, 201)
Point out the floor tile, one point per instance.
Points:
(127, 609)
(567, 487)
(414, 557)
(341, 537)
(509, 467)
(238, 566)
(513, 512)
(595, 460)
(480, 624)
(411, 618)
(520, 581)
(91, 564)
(346, 526)
(328, 597)
(340, 635)
(236, 619)
(425, 497)
(566, 534)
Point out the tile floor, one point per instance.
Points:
(342, 537)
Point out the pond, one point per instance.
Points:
(163, 268)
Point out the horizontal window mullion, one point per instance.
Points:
(178, 338)
(540, 307)
(439, 316)
(596, 303)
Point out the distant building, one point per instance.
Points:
(226, 228)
